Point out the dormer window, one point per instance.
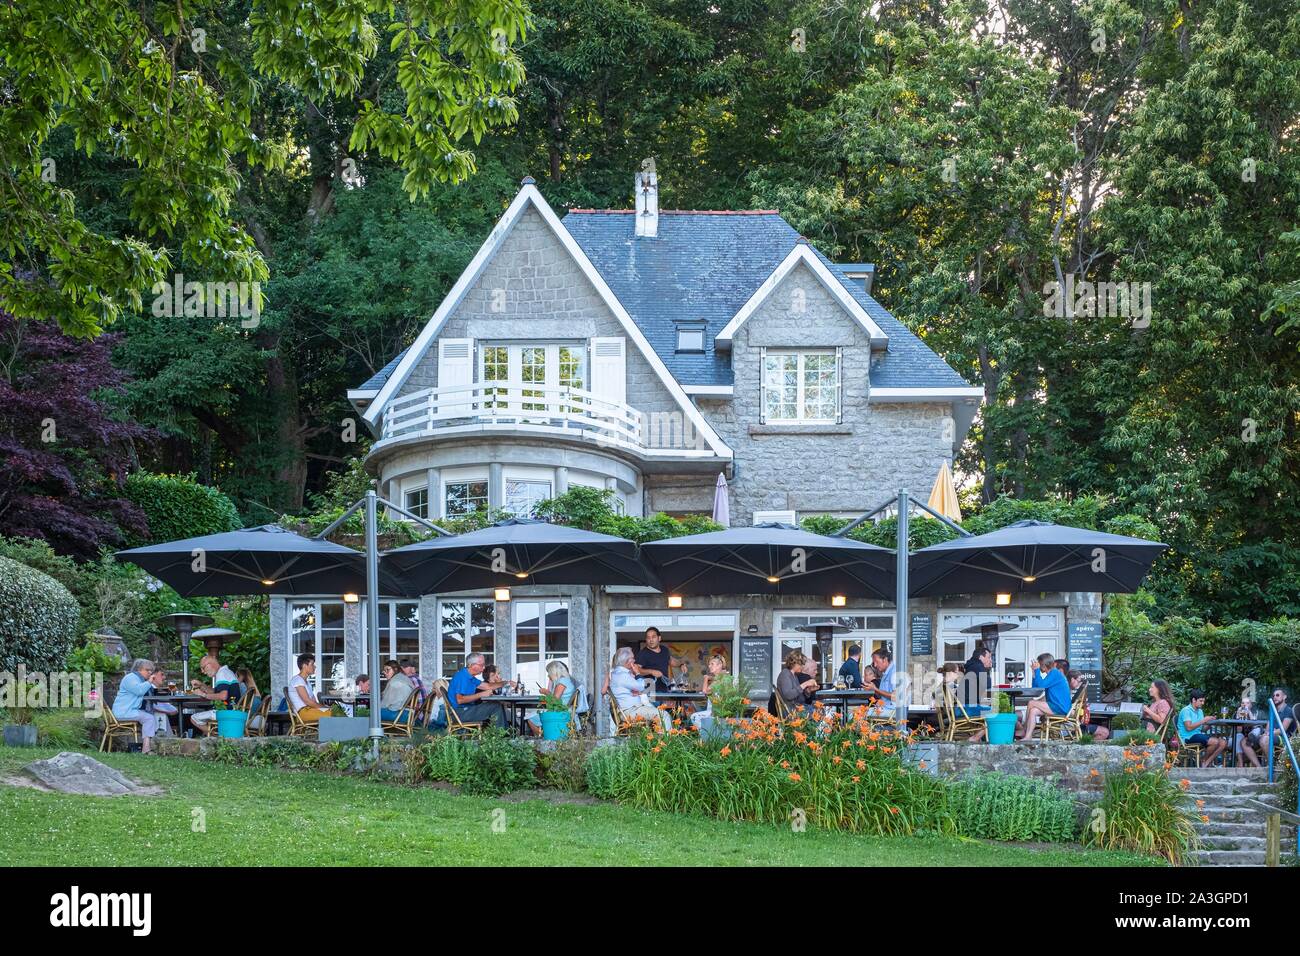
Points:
(690, 338)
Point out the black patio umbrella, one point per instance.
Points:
(1031, 556)
(264, 560)
(517, 551)
(771, 559)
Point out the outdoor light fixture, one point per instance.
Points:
(267, 581)
(351, 597)
(1029, 578)
(838, 600)
(773, 579)
(1003, 599)
(522, 575)
(674, 600)
(502, 594)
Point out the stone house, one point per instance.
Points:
(644, 352)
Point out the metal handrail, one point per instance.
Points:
(1274, 716)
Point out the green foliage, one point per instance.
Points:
(64, 729)
(1288, 785)
(251, 617)
(491, 764)
(609, 771)
(1126, 722)
(590, 509)
(38, 619)
(728, 696)
(178, 506)
(1002, 704)
(564, 767)
(997, 806)
(91, 658)
(1143, 811)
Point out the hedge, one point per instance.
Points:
(177, 506)
(38, 619)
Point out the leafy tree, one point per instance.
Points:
(65, 452)
(177, 506)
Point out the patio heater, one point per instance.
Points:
(183, 623)
(824, 631)
(215, 638)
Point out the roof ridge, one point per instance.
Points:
(685, 212)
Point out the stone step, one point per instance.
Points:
(1228, 785)
(1233, 815)
(1217, 827)
(1224, 801)
(1230, 857)
(1253, 843)
(1221, 771)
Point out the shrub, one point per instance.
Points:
(1126, 722)
(609, 771)
(177, 506)
(38, 619)
(491, 764)
(1144, 811)
(1288, 788)
(997, 806)
(91, 658)
(839, 777)
(728, 696)
(64, 729)
(564, 768)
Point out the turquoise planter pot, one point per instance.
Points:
(230, 723)
(1002, 728)
(555, 724)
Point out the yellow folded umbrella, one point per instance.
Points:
(943, 496)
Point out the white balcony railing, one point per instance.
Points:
(484, 405)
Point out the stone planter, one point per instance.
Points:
(343, 728)
(20, 735)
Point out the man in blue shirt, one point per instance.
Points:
(466, 696)
(1055, 699)
(851, 670)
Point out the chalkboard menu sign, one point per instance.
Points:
(922, 635)
(1083, 651)
(756, 664)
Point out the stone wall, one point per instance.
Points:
(1070, 764)
(845, 467)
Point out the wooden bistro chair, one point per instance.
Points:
(616, 715)
(115, 729)
(264, 712)
(406, 717)
(953, 723)
(297, 726)
(1071, 722)
(455, 726)
(782, 708)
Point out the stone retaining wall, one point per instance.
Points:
(1069, 764)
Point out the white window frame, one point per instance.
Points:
(413, 509)
(319, 678)
(801, 385)
(441, 653)
(780, 517)
(388, 636)
(674, 622)
(552, 368)
(544, 654)
(505, 497)
(686, 335)
(448, 481)
(1038, 640)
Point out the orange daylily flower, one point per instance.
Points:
(795, 777)
(725, 751)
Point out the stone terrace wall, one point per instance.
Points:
(1070, 764)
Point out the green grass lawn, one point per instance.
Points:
(268, 816)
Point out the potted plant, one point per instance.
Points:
(554, 717)
(20, 722)
(230, 723)
(339, 726)
(1001, 721)
(728, 697)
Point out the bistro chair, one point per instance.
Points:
(455, 726)
(1187, 755)
(616, 715)
(782, 708)
(264, 713)
(1072, 720)
(402, 725)
(297, 726)
(119, 729)
(952, 722)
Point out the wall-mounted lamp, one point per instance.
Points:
(674, 600)
(838, 600)
(1003, 599)
(502, 594)
(351, 597)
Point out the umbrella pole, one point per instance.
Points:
(902, 687)
(372, 618)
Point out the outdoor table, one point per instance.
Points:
(1233, 726)
(1019, 695)
(184, 703)
(679, 697)
(517, 705)
(842, 698)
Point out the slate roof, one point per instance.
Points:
(375, 382)
(705, 266)
(701, 268)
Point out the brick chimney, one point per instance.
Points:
(647, 200)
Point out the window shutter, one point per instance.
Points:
(839, 386)
(762, 385)
(456, 367)
(609, 369)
